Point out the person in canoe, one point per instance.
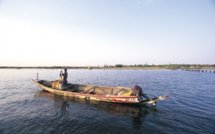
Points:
(64, 76)
(62, 83)
(138, 91)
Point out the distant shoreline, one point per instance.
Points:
(120, 66)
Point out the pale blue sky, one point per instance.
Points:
(98, 32)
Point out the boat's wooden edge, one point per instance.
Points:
(109, 96)
(34, 81)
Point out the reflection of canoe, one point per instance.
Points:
(112, 108)
(99, 93)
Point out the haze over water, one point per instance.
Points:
(190, 108)
(91, 33)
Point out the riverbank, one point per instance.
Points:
(188, 67)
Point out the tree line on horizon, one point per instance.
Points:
(164, 65)
(171, 66)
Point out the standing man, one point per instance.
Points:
(64, 76)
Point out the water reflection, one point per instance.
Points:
(59, 102)
(136, 114)
(62, 105)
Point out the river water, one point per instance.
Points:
(24, 108)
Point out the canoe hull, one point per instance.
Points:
(133, 100)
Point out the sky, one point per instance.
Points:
(106, 32)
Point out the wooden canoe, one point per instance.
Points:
(99, 93)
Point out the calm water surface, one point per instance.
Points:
(24, 108)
